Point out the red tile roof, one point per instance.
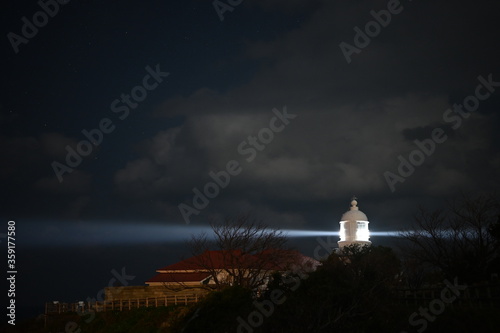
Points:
(212, 260)
(179, 277)
(278, 260)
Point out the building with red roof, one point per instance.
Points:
(213, 269)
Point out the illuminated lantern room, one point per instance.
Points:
(354, 227)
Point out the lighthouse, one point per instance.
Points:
(354, 227)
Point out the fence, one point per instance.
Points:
(123, 304)
(483, 295)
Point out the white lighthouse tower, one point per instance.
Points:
(354, 227)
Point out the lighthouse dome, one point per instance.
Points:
(354, 214)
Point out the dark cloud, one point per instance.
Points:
(353, 120)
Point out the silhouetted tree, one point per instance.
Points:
(458, 241)
(251, 252)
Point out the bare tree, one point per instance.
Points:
(459, 240)
(247, 252)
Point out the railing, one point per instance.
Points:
(122, 304)
(485, 295)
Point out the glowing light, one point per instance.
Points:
(316, 233)
(385, 233)
(362, 235)
(66, 234)
(94, 233)
(309, 233)
(342, 231)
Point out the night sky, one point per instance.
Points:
(294, 106)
